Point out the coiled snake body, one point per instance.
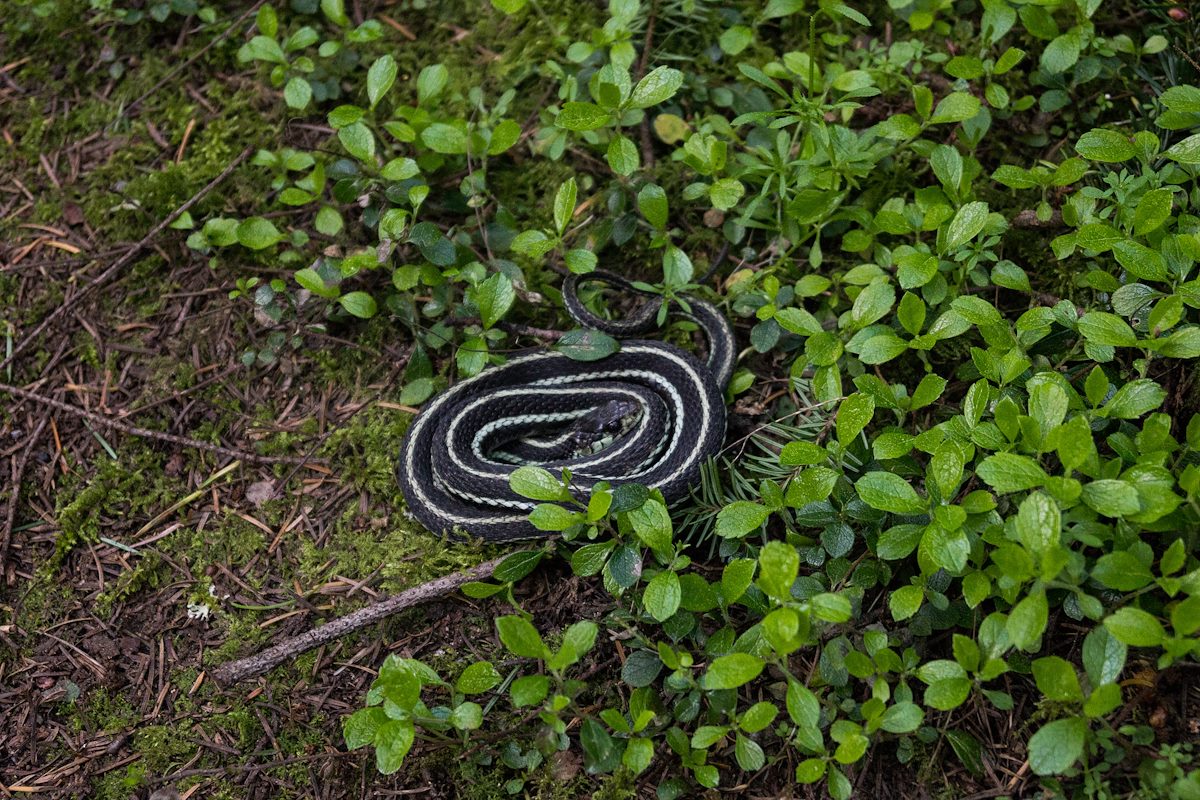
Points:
(650, 413)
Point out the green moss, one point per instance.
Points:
(148, 572)
(101, 711)
(130, 486)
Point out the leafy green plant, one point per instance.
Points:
(966, 277)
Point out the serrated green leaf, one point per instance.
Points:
(732, 671)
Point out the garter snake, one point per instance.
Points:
(650, 413)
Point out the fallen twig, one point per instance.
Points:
(124, 260)
(15, 494)
(248, 667)
(144, 433)
(647, 46)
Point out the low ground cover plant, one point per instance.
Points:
(983, 278)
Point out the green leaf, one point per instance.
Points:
(399, 169)
(509, 6)
(1057, 746)
(345, 115)
(1105, 146)
(1057, 680)
(1152, 210)
(580, 261)
(1121, 570)
(853, 415)
(662, 595)
(875, 300)
(466, 716)
(903, 717)
(1103, 657)
(623, 156)
(736, 578)
(392, 743)
(360, 304)
(1135, 627)
(564, 205)
(257, 233)
(905, 601)
(310, 279)
(262, 48)
(652, 202)
(335, 12)
(1182, 343)
(359, 728)
(506, 133)
(577, 640)
(888, 491)
(1039, 524)
(297, 93)
(778, 564)
(380, 78)
(947, 693)
(432, 79)
(1027, 621)
(358, 141)
(535, 483)
(651, 523)
(1187, 151)
(1140, 261)
(529, 690)
(587, 345)
(329, 221)
(726, 193)
(477, 678)
(552, 517)
(493, 298)
(639, 752)
(1010, 472)
(748, 753)
(732, 671)
(446, 139)
(520, 637)
(1062, 53)
(1100, 327)
(416, 391)
(1112, 498)
(928, 390)
(582, 117)
(657, 86)
(956, 107)
(741, 517)
(735, 39)
(1134, 399)
(966, 225)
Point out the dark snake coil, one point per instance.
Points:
(650, 413)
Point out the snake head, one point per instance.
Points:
(602, 423)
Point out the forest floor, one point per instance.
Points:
(133, 565)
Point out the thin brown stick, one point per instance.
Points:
(647, 46)
(124, 260)
(15, 494)
(144, 433)
(235, 671)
